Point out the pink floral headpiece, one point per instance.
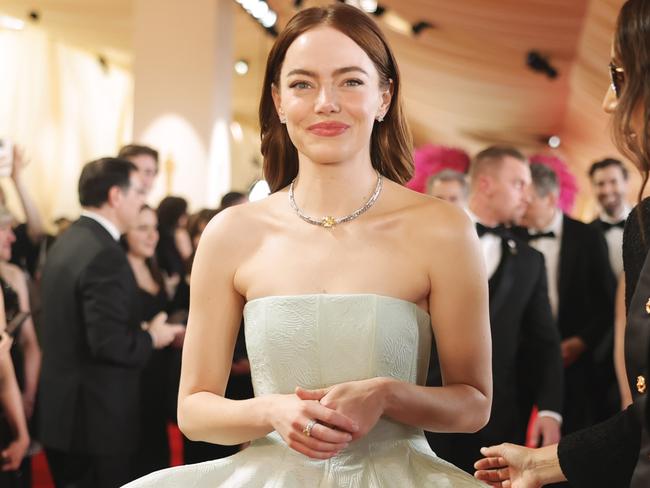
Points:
(432, 159)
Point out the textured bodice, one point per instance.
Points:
(314, 341)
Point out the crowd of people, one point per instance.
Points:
(501, 322)
(87, 416)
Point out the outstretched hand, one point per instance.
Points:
(507, 466)
(358, 400)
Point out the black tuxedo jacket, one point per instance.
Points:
(522, 327)
(93, 346)
(587, 286)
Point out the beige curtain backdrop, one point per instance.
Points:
(64, 108)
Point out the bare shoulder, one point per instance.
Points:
(236, 231)
(432, 219)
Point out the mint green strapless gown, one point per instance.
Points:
(314, 341)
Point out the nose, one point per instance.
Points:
(327, 102)
(610, 101)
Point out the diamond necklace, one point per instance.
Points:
(328, 221)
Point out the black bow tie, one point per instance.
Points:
(499, 230)
(607, 226)
(541, 235)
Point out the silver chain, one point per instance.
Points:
(329, 221)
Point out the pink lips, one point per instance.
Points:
(328, 129)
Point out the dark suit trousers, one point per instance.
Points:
(74, 470)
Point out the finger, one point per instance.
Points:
(303, 449)
(490, 463)
(494, 451)
(317, 394)
(332, 417)
(316, 444)
(494, 475)
(328, 434)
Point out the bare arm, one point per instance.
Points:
(619, 344)
(458, 305)
(27, 339)
(10, 403)
(215, 315)
(35, 229)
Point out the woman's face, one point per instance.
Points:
(143, 237)
(329, 94)
(7, 238)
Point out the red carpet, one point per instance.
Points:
(41, 473)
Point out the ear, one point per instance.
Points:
(115, 195)
(484, 183)
(386, 98)
(275, 94)
(554, 199)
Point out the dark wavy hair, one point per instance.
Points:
(632, 49)
(390, 145)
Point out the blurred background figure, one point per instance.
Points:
(25, 352)
(581, 293)
(157, 388)
(174, 251)
(233, 198)
(146, 160)
(449, 185)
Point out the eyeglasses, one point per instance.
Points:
(617, 76)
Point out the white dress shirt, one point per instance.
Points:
(614, 237)
(491, 247)
(550, 248)
(110, 227)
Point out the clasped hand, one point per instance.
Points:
(343, 412)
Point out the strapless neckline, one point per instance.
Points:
(337, 296)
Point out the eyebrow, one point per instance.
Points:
(338, 71)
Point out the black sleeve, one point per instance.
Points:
(105, 296)
(603, 455)
(601, 284)
(541, 346)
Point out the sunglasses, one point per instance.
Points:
(617, 76)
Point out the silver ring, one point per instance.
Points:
(308, 427)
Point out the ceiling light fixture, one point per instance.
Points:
(260, 11)
(11, 23)
(241, 67)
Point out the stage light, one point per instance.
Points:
(369, 6)
(260, 10)
(554, 142)
(269, 19)
(241, 67)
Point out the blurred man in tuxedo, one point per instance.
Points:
(449, 185)
(93, 345)
(609, 182)
(146, 160)
(524, 338)
(580, 288)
